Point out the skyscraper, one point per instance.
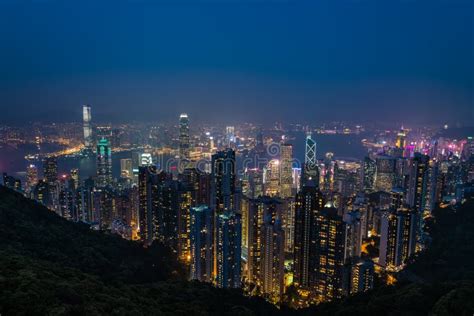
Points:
(398, 238)
(309, 202)
(147, 202)
(310, 171)
(228, 249)
(87, 117)
(230, 135)
(201, 236)
(385, 173)
(223, 188)
(184, 145)
(31, 177)
(50, 170)
(272, 259)
(369, 175)
(104, 163)
(286, 168)
(126, 168)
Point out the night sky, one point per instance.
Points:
(233, 60)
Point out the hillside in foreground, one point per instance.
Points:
(51, 266)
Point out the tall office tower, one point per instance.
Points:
(74, 178)
(369, 175)
(229, 135)
(87, 117)
(104, 163)
(328, 172)
(147, 195)
(362, 277)
(184, 144)
(417, 191)
(401, 139)
(384, 173)
(296, 176)
(166, 214)
(310, 170)
(309, 203)
(329, 254)
(286, 169)
(228, 250)
(201, 236)
(31, 177)
(50, 170)
(398, 238)
(259, 210)
(272, 260)
(272, 178)
(223, 187)
(252, 183)
(126, 168)
(146, 160)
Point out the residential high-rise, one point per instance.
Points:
(329, 262)
(369, 175)
(74, 178)
(201, 237)
(398, 238)
(272, 259)
(259, 210)
(104, 163)
(252, 183)
(418, 191)
(286, 169)
(184, 143)
(147, 202)
(50, 170)
(228, 249)
(362, 277)
(87, 117)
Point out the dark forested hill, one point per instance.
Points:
(51, 266)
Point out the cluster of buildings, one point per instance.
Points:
(322, 229)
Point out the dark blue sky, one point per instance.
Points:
(309, 61)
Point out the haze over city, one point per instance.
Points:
(262, 60)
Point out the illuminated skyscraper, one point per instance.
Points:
(87, 117)
(126, 168)
(329, 254)
(31, 177)
(146, 160)
(201, 236)
(272, 178)
(228, 249)
(272, 259)
(184, 144)
(230, 135)
(310, 170)
(50, 170)
(286, 168)
(259, 210)
(104, 163)
(309, 203)
(74, 178)
(223, 189)
(385, 173)
(369, 175)
(147, 202)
